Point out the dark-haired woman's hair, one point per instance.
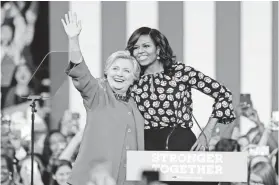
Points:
(47, 153)
(31, 69)
(9, 162)
(227, 145)
(166, 55)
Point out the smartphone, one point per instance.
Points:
(150, 176)
(246, 99)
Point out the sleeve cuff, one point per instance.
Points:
(76, 70)
(224, 119)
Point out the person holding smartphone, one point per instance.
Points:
(262, 134)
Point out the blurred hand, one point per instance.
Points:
(101, 178)
(71, 25)
(252, 115)
(67, 116)
(11, 9)
(66, 122)
(31, 17)
(79, 134)
(239, 109)
(249, 147)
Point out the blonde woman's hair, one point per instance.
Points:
(123, 55)
(266, 171)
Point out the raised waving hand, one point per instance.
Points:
(72, 27)
(71, 24)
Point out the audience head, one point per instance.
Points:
(61, 171)
(227, 145)
(22, 75)
(6, 168)
(55, 143)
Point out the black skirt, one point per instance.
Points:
(175, 139)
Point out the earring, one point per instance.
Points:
(158, 57)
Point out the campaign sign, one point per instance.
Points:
(189, 166)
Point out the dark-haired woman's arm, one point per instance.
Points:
(223, 111)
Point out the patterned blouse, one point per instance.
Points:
(165, 100)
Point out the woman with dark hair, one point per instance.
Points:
(21, 86)
(24, 169)
(7, 170)
(163, 52)
(55, 143)
(163, 95)
(61, 171)
(8, 54)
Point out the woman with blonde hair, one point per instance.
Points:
(261, 172)
(114, 124)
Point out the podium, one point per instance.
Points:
(189, 166)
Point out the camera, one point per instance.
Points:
(150, 176)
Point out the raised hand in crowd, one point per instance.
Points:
(261, 134)
(30, 14)
(247, 111)
(252, 115)
(267, 138)
(70, 149)
(100, 176)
